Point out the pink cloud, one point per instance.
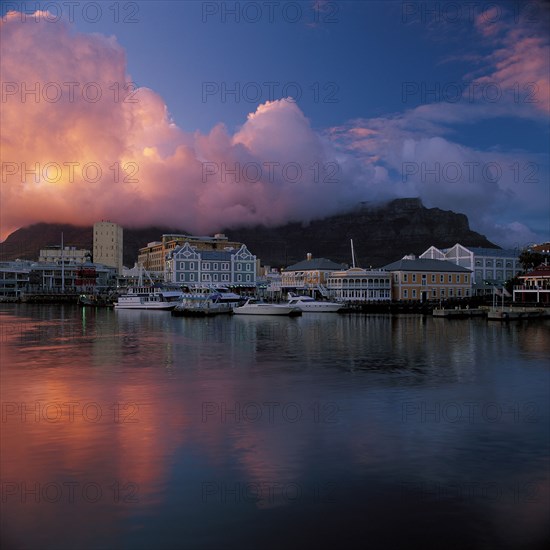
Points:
(142, 168)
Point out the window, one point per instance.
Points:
(206, 266)
(434, 292)
(433, 278)
(181, 277)
(450, 278)
(414, 293)
(191, 265)
(239, 277)
(191, 276)
(414, 277)
(225, 277)
(442, 278)
(182, 265)
(405, 277)
(457, 278)
(442, 292)
(248, 277)
(450, 292)
(215, 267)
(459, 292)
(405, 293)
(225, 265)
(489, 263)
(215, 277)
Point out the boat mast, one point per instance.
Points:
(62, 266)
(352, 253)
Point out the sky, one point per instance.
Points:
(212, 115)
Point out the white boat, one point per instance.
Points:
(148, 298)
(206, 302)
(308, 304)
(251, 307)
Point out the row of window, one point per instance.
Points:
(370, 282)
(365, 295)
(453, 292)
(215, 266)
(405, 278)
(214, 278)
(498, 263)
(499, 275)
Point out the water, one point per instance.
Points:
(133, 429)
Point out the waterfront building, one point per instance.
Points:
(428, 279)
(535, 286)
(108, 244)
(23, 277)
(309, 274)
(187, 265)
(359, 285)
(153, 256)
(489, 266)
(14, 278)
(70, 254)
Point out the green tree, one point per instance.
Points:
(529, 260)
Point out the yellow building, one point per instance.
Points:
(153, 256)
(108, 242)
(427, 279)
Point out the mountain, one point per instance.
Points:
(380, 234)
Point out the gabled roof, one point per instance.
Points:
(316, 264)
(425, 264)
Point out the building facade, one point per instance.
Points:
(359, 285)
(108, 244)
(70, 254)
(309, 274)
(22, 277)
(191, 267)
(429, 279)
(489, 266)
(153, 256)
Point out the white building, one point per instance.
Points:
(108, 241)
(309, 274)
(489, 266)
(359, 285)
(70, 254)
(186, 265)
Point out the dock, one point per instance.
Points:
(517, 313)
(459, 313)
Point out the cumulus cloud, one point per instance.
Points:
(87, 146)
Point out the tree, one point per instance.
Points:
(529, 260)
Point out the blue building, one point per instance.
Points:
(185, 265)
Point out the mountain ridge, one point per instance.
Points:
(381, 234)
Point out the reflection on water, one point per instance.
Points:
(134, 429)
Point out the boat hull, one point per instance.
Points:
(266, 309)
(160, 306)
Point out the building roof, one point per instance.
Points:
(542, 270)
(425, 264)
(316, 263)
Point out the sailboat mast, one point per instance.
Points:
(352, 253)
(62, 265)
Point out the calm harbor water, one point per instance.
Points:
(134, 429)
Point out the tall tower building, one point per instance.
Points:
(108, 244)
